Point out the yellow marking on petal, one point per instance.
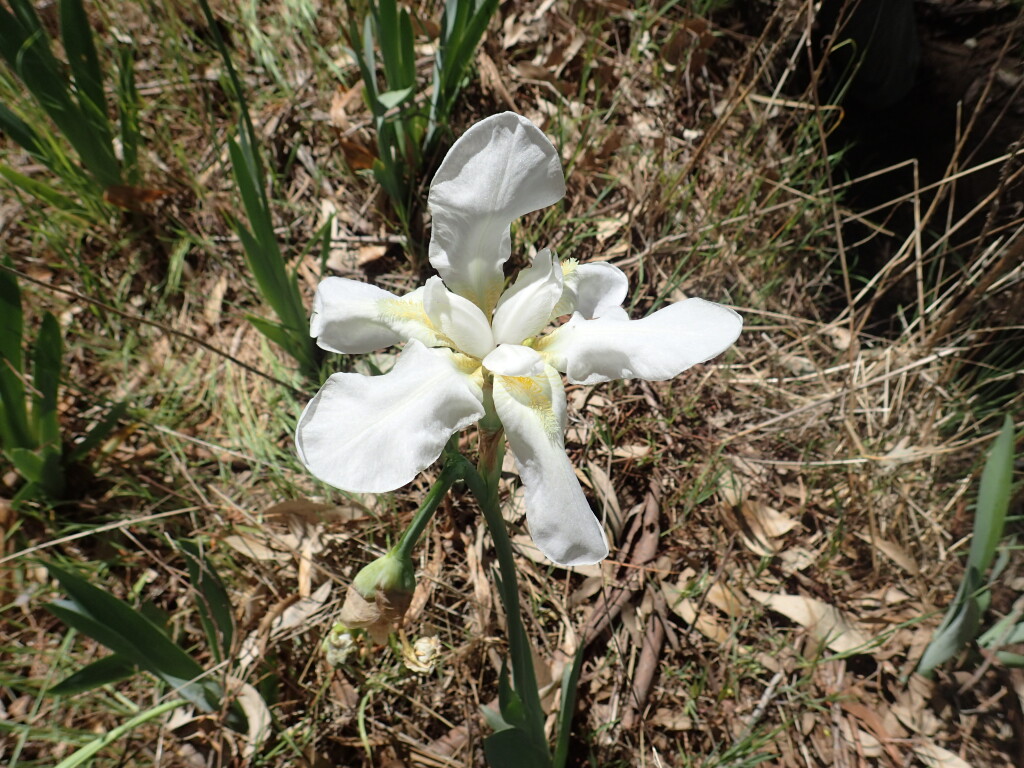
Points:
(466, 364)
(400, 309)
(491, 299)
(540, 343)
(529, 392)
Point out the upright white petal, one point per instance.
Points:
(532, 411)
(655, 348)
(498, 170)
(375, 433)
(354, 317)
(457, 319)
(594, 290)
(524, 310)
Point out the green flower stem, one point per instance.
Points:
(84, 755)
(449, 474)
(484, 485)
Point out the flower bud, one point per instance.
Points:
(380, 595)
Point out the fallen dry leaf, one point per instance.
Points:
(894, 552)
(825, 623)
(132, 198)
(294, 615)
(934, 756)
(686, 609)
(597, 479)
(255, 547)
(758, 525)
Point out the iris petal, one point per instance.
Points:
(354, 317)
(655, 348)
(525, 308)
(457, 319)
(532, 411)
(498, 170)
(371, 434)
(594, 290)
(514, 360)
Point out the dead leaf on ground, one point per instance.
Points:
(686, 609)
(670, 720)
(601, 484)
(934, 756)
(294, 615)
(758, 525)
(132, 198)
(894, 552)
(824, 622)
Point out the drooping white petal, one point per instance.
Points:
(457, 319)
(594, 290)
(498, 170)
(524, 310)
(514, 360)
(354, 317)
(375, 433)
(532, 411)
(655, 348)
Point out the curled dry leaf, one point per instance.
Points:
(841, 338)
(728, 600)
(863, 741)
(796, 559)
(758, 525)
(631, 451)
(671, 720)
(294, 615)
(597, 479)
(257, 715)
(912, 707)
(934, 756)
(291, 529)
(255, 547)
(894, 552)
(686, 609)
(824, 622)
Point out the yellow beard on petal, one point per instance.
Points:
(529, 391)
(470, 366)
(399, 310)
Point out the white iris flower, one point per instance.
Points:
(467, 336)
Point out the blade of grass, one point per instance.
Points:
(84, 755)
(26, 47)
(83, 62)
(215, 605)
(46, 375)
(127, 632)
(109, 669)
(993, 499)
(14, 418)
